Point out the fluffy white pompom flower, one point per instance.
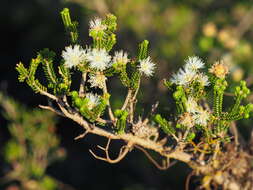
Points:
(147, 67)
(120, 57)
(96, 25)
(97, 80)
(94, 100)
(203, 79)
(183, 77)
(191, 105)
(73, 56)
(201, 117)
(99, 59)
(194, 63)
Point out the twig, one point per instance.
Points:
(165, 165)
(127, 137)
(52, 109)
(82, 85)
(82, 135)
(133, 102)
(109, 105)
(187, 182)
(49, 95)
(123, 152)
(128, 97)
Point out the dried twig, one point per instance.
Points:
(123, 152)
(165, 165)
(82, 135)
(52, 109)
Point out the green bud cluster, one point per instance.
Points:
(218, 91)
(180, 99)
(81, 103)
(70, 26)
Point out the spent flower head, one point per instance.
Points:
(147, 67)
(97, 80)
(94, 100)
(97, 25)
(99, 59)
(191, 105)
(73, 56)
(120, 57)
(203, 79)
(219, 69)
(187, 120)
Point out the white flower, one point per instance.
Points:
(93, 100)
(96, 25)
(201, 117)
(194, 63)
(203, 79)
(97, 80)
(73, 56)
(120, 57)
(183, 77)
(191, 105)
(147, 66)
(99, 59)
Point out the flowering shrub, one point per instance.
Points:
(33, 146)
(197, 134)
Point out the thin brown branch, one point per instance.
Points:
(82, 85)
(123, 152)
(51, 96)
(82, 135)
(109, 105)
(187, 182)
(52, 110)
(176, 154)
(165, 165)
(128, 97)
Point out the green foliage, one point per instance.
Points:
(46, 58)
(122, 120)
(218, 91)
(104, 37)
(33, 144)
(143, 50)
(164, 124)
(70, 26)
(180, 99)
(82, 104)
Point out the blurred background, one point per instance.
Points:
(38, 150)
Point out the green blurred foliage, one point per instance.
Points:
(32, 147)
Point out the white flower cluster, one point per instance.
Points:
(190, 72)
(198, 114)
(120, 57)
(94, 100)
(99, 59)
